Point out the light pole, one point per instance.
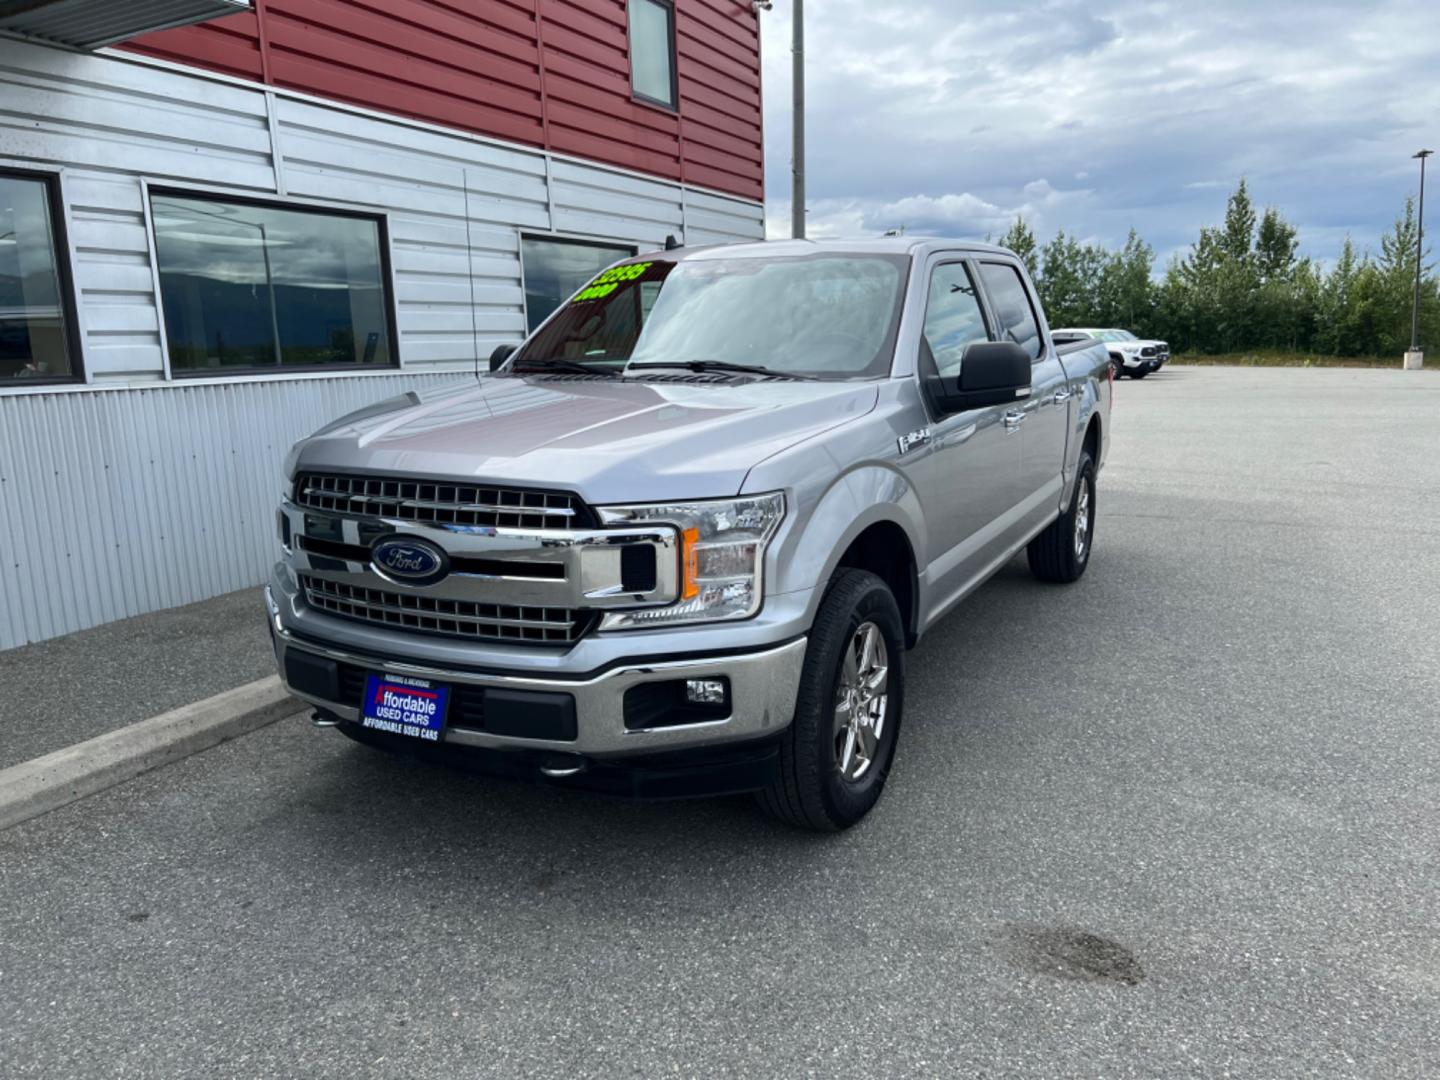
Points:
(1415, 358)
(797, 192)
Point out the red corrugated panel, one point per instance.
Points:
(721, 120)
(590, 111)
(404, 67)
(544, 72)
(230, 45)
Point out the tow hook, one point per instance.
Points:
(559, 766)
(323, 720)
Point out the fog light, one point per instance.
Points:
(705, 691)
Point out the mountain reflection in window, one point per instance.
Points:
(257, 287)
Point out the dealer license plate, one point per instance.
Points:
(401, 706)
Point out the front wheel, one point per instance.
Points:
(1061, 553)
(1139, 373)
(836, 754)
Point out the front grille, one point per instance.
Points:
(434, 502)
(1148, 350)
(449, 618)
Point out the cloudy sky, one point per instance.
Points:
(953, 116)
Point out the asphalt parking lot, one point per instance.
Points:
(1182, 819)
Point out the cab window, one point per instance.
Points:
(1012, 306)
(953, 318)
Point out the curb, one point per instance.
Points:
(36, 787)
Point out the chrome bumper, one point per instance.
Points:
(763, 688)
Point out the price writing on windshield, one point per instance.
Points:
(611, 280)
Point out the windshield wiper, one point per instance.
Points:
(559, 363)
(722, 365)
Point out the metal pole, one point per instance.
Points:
(1419, 257)
(797, 194)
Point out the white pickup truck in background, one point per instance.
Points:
(1132, 356)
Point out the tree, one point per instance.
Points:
(1070, 281)
(1242, 285)
(1126, 294)
(1239, 234)
(1396, 269)
(1336, 293)
(1021, 240)
(1275, 246)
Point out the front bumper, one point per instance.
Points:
(763, 688)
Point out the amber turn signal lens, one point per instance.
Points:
(690, 588)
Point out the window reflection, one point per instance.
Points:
(1012, 307)
(652, 59)
(556, 269)
(32, 317)
(248, 286)
(953, 321)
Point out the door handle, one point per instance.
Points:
(1013, 419)
(1061, 396)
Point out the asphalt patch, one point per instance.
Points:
(1075, 954)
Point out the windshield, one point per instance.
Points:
(821, 316)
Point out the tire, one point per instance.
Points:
(1059, 554)
(1139, 373)
(819, 786)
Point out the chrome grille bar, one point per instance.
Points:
(434, 615)
(435, 502)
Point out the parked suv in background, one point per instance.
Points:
(680, 541)
(1131, 356)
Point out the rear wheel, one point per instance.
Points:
(836, 754)
(1062, 552)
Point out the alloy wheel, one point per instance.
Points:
(1082, 520)
(860, 702)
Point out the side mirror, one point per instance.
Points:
(991, 373)
(500, 355)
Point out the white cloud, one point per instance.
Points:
(945, 114)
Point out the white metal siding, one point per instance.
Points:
(119, 502)
(141, 493)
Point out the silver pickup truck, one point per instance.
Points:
(679, 541)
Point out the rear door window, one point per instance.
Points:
(1011, 301)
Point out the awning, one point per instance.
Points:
(91, 24)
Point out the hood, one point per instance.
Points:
(609, 440)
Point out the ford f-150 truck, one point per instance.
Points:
(678, 541)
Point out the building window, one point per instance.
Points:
(250, 287)
(555, 269)
(652, 51)
(34, 322)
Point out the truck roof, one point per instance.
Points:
(887, 245)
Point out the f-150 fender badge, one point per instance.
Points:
(913, 440)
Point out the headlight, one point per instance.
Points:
(722, 556)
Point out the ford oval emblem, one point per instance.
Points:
(411, 562)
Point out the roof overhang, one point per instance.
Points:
(92, 24)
